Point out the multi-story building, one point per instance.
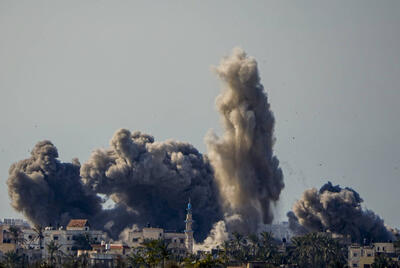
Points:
(66, 238)
(105, 255)
(364, 256)
(180, 243)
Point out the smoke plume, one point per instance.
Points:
(47, 191)
(154, 180)
(246, 171)
(339, 211)
(231, 188)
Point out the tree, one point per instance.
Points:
(164, 252)
(16, 235)
(207, 262)
(268, 250)
(82, 241)
(382, 261)
(316, 250)
(11, 259)
(52, 248)
(137, 258)
(38, 229)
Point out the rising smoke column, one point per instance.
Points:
(154, 180)
(151, 182)
(246, 171)
(338, 210)
(48, 191)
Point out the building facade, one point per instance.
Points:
(180, 243)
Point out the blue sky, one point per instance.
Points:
(74, 72)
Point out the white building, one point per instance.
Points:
(180, 243)
(66, 238)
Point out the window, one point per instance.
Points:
(67, 248)
(182, 240)
(135, 239)
(369, 255)
(355, 265)
(355, 254)
(68, 237)
(95, 238)
(55, 237)
(383, 248)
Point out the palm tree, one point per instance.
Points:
(38, 229)
(11, 259)
(254, 240)
(240, 248)
(136, 259)
(268, 250)
(382, 261)
(207, 262)
(52, 248)
(316, 250)
(164, 252)
(16, 235)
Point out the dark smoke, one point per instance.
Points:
(231, 188)
(339, 211)
(154, 180)
(47, 191)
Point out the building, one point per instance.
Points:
(105, 255)
(364, 256)
(16, 222)
(179, 243)
(280, 230)
(361, 256)
(66, 238)
(188, 229)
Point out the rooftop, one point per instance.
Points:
(78, 223)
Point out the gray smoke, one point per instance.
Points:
(47, 191)
(246, 171)
(151, 182)
(154, 180)
(339, 211)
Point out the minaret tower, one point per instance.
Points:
(188, 230)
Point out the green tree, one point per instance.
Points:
(207, 262)
(82, 242)
(52, 248)
(316, 250)
(137, 258)
(16, 235)
(382, 261)
(38, 229)
(11, 259)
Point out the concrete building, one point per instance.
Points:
(179, 243)
(364, 256)
(361, 256)
(105, 255)
(66, 238)
(188, 229)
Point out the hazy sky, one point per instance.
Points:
(74, 72)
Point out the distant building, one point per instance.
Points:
(16, 222)
(66, 238)
(364, 256)
(279, 230)
(105, 255)
(180, 243)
